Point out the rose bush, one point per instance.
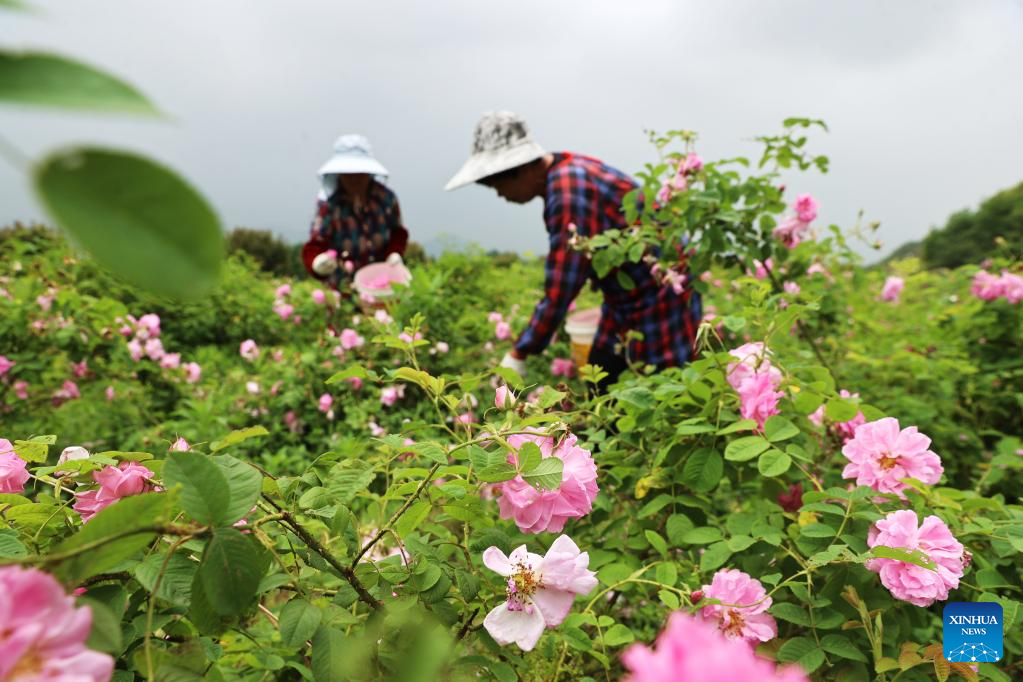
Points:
(307, 490)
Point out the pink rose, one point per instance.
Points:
(154, 349)
(283, 310)
(171, 361)
(540, 590)
(502, 331)
(78, 369)
(135, 350)
(325, 403)
(442, 347)
(109, 392)
(44, 633)
(21, 390)
(892, 288)
(13, 470)
(504, 397)
(693, 649)
(179, 445)
(350, 339)
(192, 372)
(283, 291)
(743, 611)
(881, 454)
(806, 207)
(909, 582)
(5, 365)
(537, 511)
(319, 298)
(249, 350)
(562, 367)
(124, 480)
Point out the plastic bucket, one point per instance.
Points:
(581, 328)
(373, 282)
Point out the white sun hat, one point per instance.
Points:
(352, 154)
(500, 142)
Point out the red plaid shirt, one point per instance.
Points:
(588, 193)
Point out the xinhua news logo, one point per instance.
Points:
(972, 632)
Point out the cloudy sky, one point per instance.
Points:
(923, 98)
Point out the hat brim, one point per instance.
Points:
(480, 165)
(346, 165)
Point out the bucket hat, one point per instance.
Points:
(352, 154)
(500, 142)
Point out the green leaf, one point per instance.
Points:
(773, 463)
(204, 492)
(510, 376)
(618, 635)
(702, 535)
(117, 533)
(431, 451)
(50, 80)
(841, 646)
(841, 409)
(741, 425)
(910, 556)
(231, 569)
(10, 545)
(546, 475)
(245, 484)
(657, 542)
(801, 650)
(528, 456)
(137, 218)
(105, 634)
(299, 621)
(356, 371)
(549, 398)
(625, 281)
(329, 655)
(237, 436)
(497, 473)
(347, 479)
(667, 574)
(412, 517)
(638, 396)
(779, 428)
(817, 530)
(715, 556)
(746, 448)
(793, 613)
(176, 582)
(702, 471)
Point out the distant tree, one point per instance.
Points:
(969, 236)
(271, 252)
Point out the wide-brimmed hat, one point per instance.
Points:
(500, 142)
(352, 154)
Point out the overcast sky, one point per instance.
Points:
(924, 98)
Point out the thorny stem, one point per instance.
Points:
(397, 515)
(147, 644)
(312, 543)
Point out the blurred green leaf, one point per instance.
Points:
(136, 218)
(51, 80)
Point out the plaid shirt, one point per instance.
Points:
(586, 192)
(360, 235)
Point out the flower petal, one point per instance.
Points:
(496, 561)
(554, 605)
(522, 627)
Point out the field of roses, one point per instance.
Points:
(272, 483)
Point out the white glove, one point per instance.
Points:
(514, 364)
(324, 264)
(395, 259)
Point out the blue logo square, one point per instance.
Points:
(972, 632)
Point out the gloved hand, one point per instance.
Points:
(325, 263)
(395, 259)
(514, 364)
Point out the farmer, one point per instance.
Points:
(357, 217)
(581, 196)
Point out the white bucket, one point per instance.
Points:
(581, 328)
